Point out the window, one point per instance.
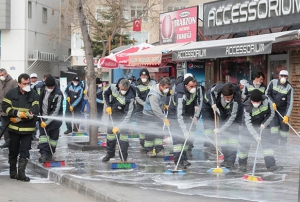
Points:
(137, 12)
(29, 9)
(44, 17)
(173, 8)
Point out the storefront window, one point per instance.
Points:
(236, 69)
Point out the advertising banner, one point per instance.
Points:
(198, 70)
(179, 26)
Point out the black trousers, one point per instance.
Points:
(19, 144)
(53, 135)
(77, 114)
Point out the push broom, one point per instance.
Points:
(217, 170)
(169, 157)
(52, 163)
(123, 164)
(169, 171)
(252, 178)
(78, 133)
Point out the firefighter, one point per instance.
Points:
(143, 86)
(51, 99)
(183, 107)
(74, 93)
(281, 93)
(258, 113)
(155, 118)
(225, 101)
(119, 99)
(6, 83)
(257, 83)
(20, 104)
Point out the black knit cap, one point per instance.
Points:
(50, 81)
(187, 80)
(256, 95)
(98, 81)
(144, 72)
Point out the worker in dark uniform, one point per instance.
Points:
(51, 99)
(99, 98)
(20, 104)
(119, 99)
(256, 83)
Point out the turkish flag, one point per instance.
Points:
(137, 25)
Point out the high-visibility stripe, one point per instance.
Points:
(7, 101)
(111, 137)
(283, 91)
(186, 148)
(208, 131)
(121, 101)
(124, 138)
(274, 129)
(284, 133)
(21, 129)
(206, 98)
(53, 143)
(227, 107)
(242, 155)
(35, 103)
(148, 143)
(268, 152)
(142, 136)
(158, 142)
(260, 110)
(43, 139)
(233, 141)
(177, 148)
(8, 110)
(224, 142)
(21, 109)
(191, 99)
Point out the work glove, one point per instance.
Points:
(109, 110)
(15, 120)
(216, 131)
(115, 130)
(29, 115)
(22, 115)
(84, 92)
(262, 126)
(214, 107)
(285, 119)
(68, 99)
(166, 121)
(166, 107)
(171, 92)
(71, 108)
(274, 106)
(43, 124)
(257, 138)
(196, 109)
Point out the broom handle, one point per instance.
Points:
(256, 153)
(48, 141)
(170, 134)
(184, 145)
(216, 137)
(112, 122)
(288, 124)
(167, 112)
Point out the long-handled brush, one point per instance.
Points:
(169, 171)
(169, 157)
(123, 164)
(288, 123)
(78, 133)
(252, 178)
(217, 170)
(53, 163)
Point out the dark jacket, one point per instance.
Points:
(75, 93)
(142, 91)
(15, 101)
(55, 106)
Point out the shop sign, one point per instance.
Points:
(232, 16)
(81, 61)
(179, 26)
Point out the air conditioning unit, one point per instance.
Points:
(35, 54)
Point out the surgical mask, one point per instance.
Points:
(193, 90)
(166, 91)
(144, 80)
(255, 105)
(100, 85)
(75, 83)
(258, 84)
(26, 88)
(283, 80)
(227, 101)
(49, 90)
(123, 92)
(2, 78)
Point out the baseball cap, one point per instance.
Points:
(33, 75)
(284, 72)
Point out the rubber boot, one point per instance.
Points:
(107, 157)
(21, 170)
(13, 168)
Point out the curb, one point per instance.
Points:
(72, 183)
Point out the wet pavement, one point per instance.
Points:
(87, 174)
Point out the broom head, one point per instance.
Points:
(49, 164)
(180, 172)
(169, 158)
(78, 134)
(218, 170)
(123, 165)
(251, 178)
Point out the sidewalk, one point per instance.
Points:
(89, 176)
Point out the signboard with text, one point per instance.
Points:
(233, 16)
(179, 26)
(198, 71)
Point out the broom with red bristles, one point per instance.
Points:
(252, 178)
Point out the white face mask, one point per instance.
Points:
(255, 105)
(166, 91)
(49, 90)
(100, 85)
(283, 80)
(144, 80)
(193, 90)
(75, 83)
(227, 101)
(2, 78)
(26, 88)
(123, 92)
(258, 84)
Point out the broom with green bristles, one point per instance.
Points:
(123, 164)
(217, 170)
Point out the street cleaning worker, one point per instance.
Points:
(73, 93)
(99, 98)
(51, 99)
(258, 113)
(257, 83)
(20, 104)
(281, 93)
(6, 83)
(183, 111)
(225, 101)
(143, 86)
(119, 99)
(154, 118)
